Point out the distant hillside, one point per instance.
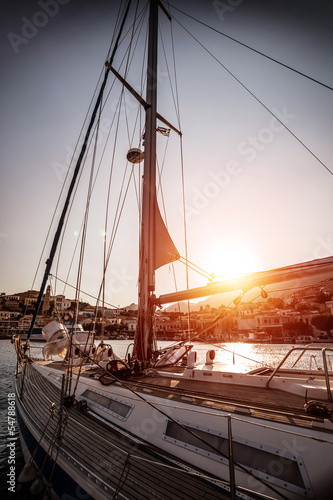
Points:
(131, 307)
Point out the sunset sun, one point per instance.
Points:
(231, 260)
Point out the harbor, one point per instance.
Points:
(176, 340)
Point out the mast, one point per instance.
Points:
(144, 335)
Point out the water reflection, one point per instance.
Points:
(235, 356)
(243, 355)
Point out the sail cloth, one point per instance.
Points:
(165, 250)
(56, 337)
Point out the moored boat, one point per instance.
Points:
(157, 424)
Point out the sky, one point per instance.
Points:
(255, 198)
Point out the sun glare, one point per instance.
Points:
(229, 261)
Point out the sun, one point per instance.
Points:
(230, 260)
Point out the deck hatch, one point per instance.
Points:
(277, 466)
(109, 404)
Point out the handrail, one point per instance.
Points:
(306, 349)
(328, 387)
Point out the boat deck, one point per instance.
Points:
(118, 466)
(270, 404)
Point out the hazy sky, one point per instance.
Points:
(255, 198)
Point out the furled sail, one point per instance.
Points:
(56, 337)
(165, 250)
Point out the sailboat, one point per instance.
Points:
(158, 424)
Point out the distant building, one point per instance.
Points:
(11, 297)
(111, 313)
(12, 305)
(329, 305)
(61, 304)
(88, 312)
(131, 323)
(46, 300)
(30, 301)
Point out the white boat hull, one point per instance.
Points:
(292, 459)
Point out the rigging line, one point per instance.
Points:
(123, 476)
(111, 174)
(56, 310)
(137, 32)
(116, 24)
(208, 276)
(189, 265)
(119, 216)
(175, 74)
(167, 66)
(185, 227)
(142, 83)
(257, 99)
(252, 49)
(95, 180)
(120, 104)
(112, 165)
(65, 180)
(72, 159)
(117, 209)
(165, 216)
(219, 318)
(63, 421)
(68, 170)
(240, 355)
(182, 173)
(56, 239)
(142, 13)
(139, 27)
(86, 217)
(139, 113)
(177, 107)
(81, 291)
(115, 225)
(222, 318)
(128, 63)
(131, 140)
(120, 14)
(76, 188)
(160, 172)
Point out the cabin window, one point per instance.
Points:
(277, 466)
(111, 405)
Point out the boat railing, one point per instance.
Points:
(326, 363)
